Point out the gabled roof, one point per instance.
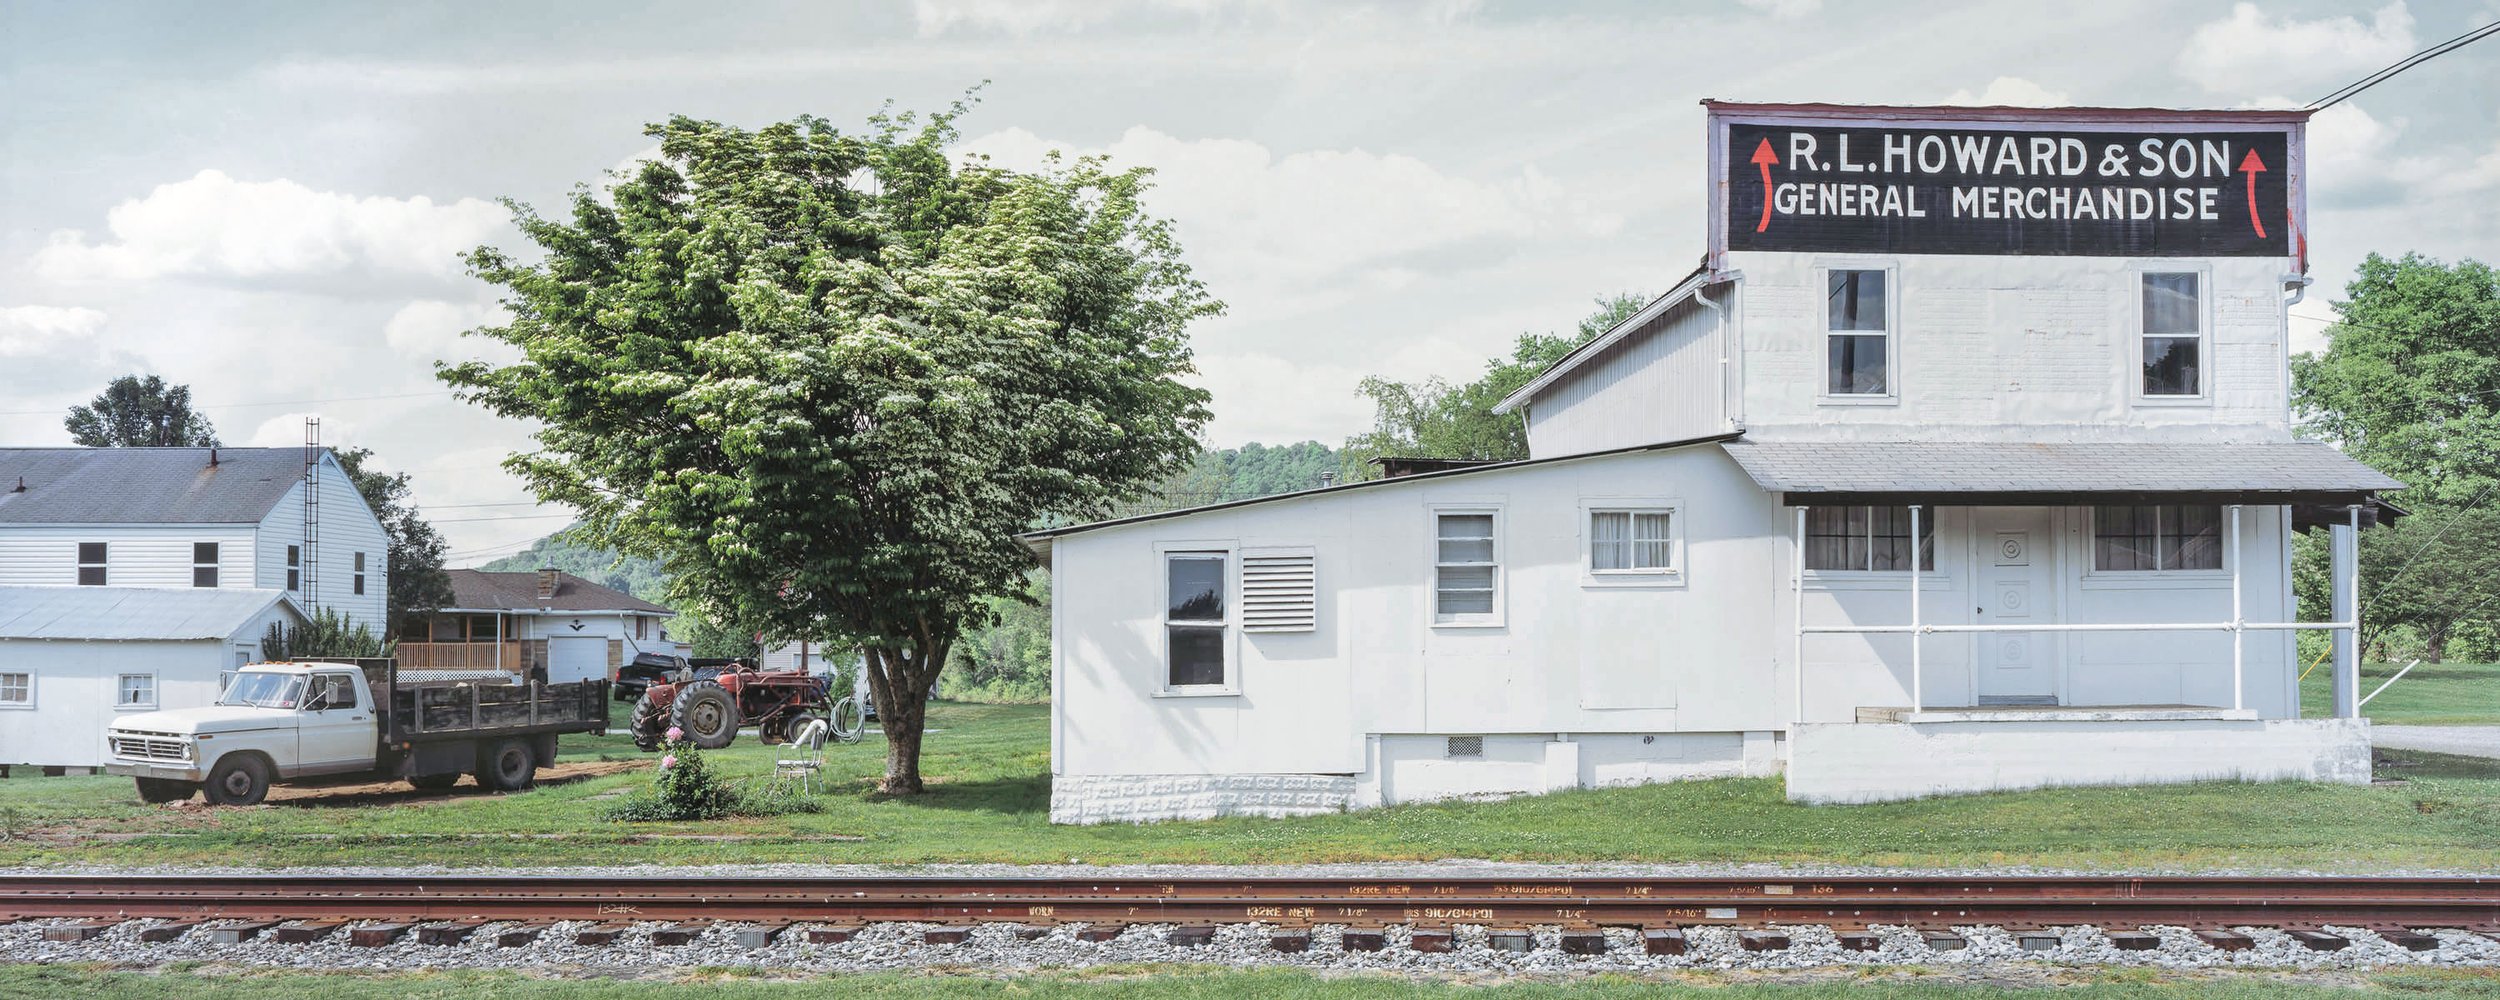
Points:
(480, 590)
(134, 613)
(1941, 470)
(1691, 285)
(145, 485)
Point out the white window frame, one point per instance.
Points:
(1823, 332)
(1432, 559)
(294, 568)
(215, 567)
(27, 702)
(121, 684)
(359, 573)
(2205, 370)
(1930, 578)
(1165, 553)
(103, 567)
(1671, 575)
(2098, 578)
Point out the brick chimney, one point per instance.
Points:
(547, 583)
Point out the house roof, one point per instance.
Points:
(133, 613)
(2005, 471)
(145, 485)
(1689, 287)
(480, 590)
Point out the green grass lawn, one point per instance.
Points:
(988, 768)
(1195, 983)
(2434, 694)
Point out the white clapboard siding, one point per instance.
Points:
(1279, 592)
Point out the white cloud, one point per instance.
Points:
(1786, 9)
(2011, 91)
(286, 430)
(56, 351)
(27, 329)
(215, 226)
(2250, 51)
(430, 330)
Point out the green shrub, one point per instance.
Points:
(685, 788)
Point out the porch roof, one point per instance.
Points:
(2017, 473)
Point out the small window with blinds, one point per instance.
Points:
(1279, 591)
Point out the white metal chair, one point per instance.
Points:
(809, 745)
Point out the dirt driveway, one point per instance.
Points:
(394, 792)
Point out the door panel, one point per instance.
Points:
(2015, 582)
(340, 735)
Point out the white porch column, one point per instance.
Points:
(2239, 686)
(1797, 607)
(2346, 577)
(1918, 687)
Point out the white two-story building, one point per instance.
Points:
(130, 578)
(1963, 462)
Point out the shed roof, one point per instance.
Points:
(145, 485)
(2280, 471)
(481, 590)
(133, 613)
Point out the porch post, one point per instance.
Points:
(1918, 691)
(2346, 576)
(1797, 607)
(2239, 697)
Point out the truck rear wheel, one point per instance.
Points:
(158, 791)
(434, 782)
(239, 779)
(510, 765)
(707, 713)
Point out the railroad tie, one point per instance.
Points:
(831, 935)
(239, 933)
(1191, 936)
(376, 935)
(2038, 941)
(946, 935)
(520, 934)
(73, 933)
(1029, 933)
(1859, 940)
(675, 935)
(305, 931)
(1663, 941)
(1946, 942)
(447, 933)
(168, 931)
(1291, 942)
(2409, 939)
(1363, 941)
(2133, 940)
(601, 934)
(2225, 940)
(1430, 941)
(1587, 942)
(1098, 933)
(1762, 940)
(1515, 941)
(760, 936)
(2320, 940)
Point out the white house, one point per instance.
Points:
(1963, 462)
(532, 622)
(72, 658)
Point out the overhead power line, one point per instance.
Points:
(2416, 59)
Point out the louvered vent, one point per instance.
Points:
(1279, 593)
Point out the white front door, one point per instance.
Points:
(577, 658)
(2015, 583)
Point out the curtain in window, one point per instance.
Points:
(1652, 549)
(1610, 540)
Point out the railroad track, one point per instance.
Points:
(378, 910)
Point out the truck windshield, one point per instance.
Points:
(263, 690)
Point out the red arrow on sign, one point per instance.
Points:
(2252, 166)
(1763, 157)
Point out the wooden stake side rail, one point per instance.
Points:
(2469, 903)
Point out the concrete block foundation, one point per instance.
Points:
(1937, 753)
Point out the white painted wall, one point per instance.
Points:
(1879, 763)
(135, 555)
(1662, 383)
(76, 684)
(347, 527)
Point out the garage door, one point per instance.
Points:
(577, 658)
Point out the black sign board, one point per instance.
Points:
(1880, 189)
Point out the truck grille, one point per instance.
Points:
(151, 746)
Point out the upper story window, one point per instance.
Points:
(294, 567)
(1874, 539)
(1194, 619)
(360, 574)
(204, 564)
(1466, 568)
(91, 564)
(1858, 335)
(1631, 541)
(2156, 538)
(2174, 334)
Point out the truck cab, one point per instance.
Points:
(274, 721)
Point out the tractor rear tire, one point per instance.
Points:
(707, 713)
(509, 765)
(649, 726)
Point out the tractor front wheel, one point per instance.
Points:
(707, 713)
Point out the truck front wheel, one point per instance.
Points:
(158, 791)
(508, 766)
(240, 779)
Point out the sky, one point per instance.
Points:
(266, 202)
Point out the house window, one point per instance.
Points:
(1858, 339)
(294, 567)
(17, 690)
(1874, 539)
(91, 564)
(360, 574)
(1193, 619)
(642, 628)
(1630, 541)
(204, 564)
(2156, 538)
(136, 691)
(1467, 569)
(2174, 335)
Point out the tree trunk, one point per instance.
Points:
(2435, 642)
(899, 681)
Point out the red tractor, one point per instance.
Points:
(711, 703)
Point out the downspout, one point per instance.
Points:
(2299, 284)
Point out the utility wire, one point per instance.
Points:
(2356, 87)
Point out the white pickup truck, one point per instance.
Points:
(339, 723)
